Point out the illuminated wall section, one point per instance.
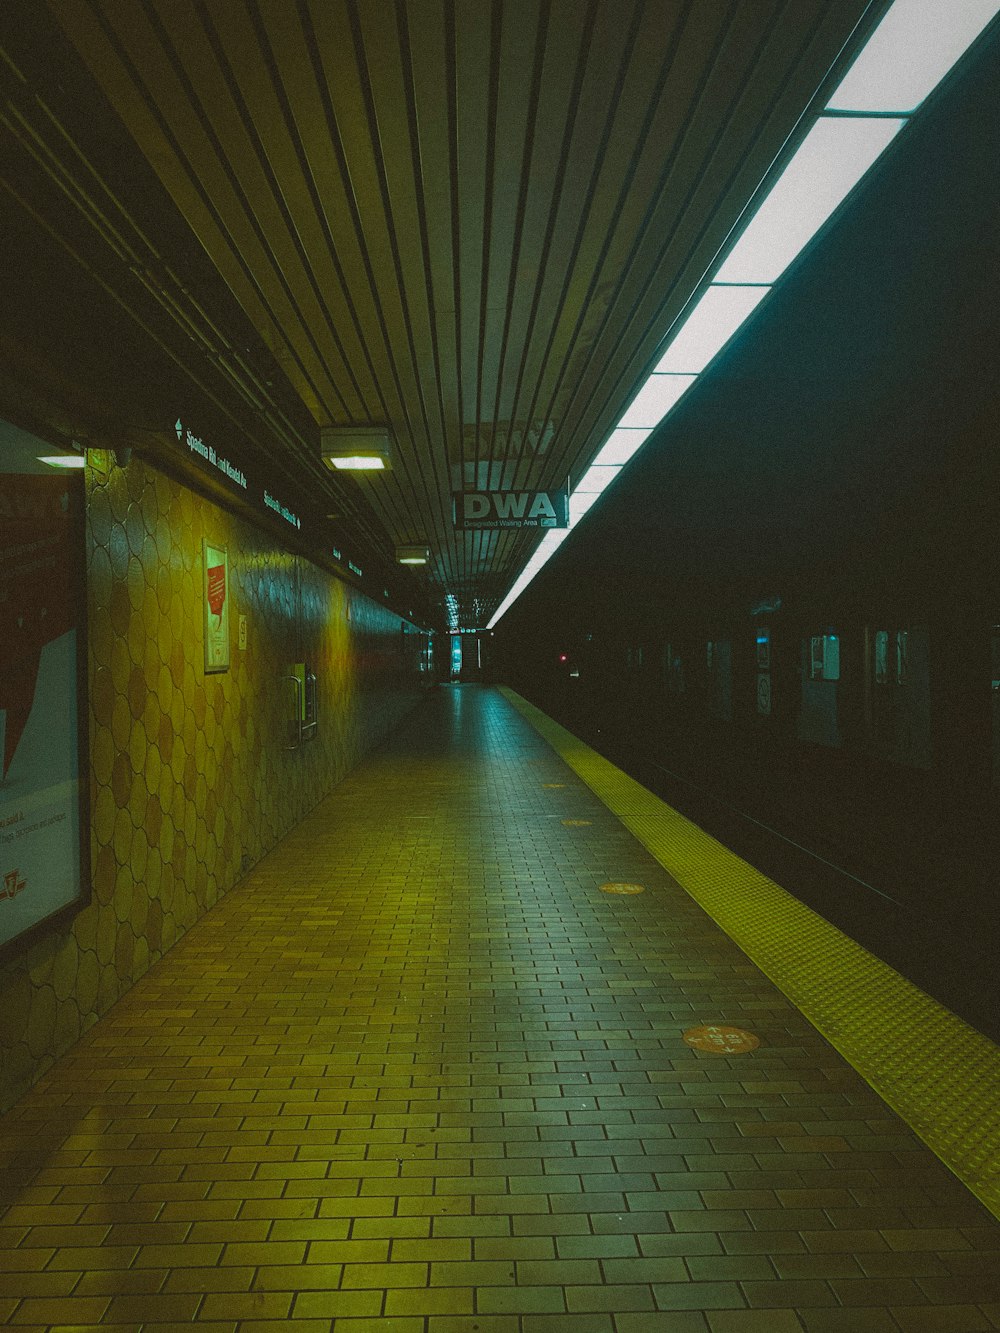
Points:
(191, 783)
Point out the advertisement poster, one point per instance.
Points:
(40, 637)
(216, 563)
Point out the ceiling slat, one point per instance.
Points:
(472, 219)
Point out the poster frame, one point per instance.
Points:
(217, 667)
(77, 542)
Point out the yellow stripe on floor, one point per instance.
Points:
(938, 1073)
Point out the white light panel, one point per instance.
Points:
(357, 463)
(64, 460)
(655, 399)
(829, 162)
(620, 446)
(717, 315)
(910, 52)
(595, 479)
(579, 503)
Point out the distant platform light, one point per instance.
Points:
(356, 448)
(413, 555)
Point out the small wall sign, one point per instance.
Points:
(216, 606)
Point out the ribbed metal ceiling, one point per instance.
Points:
(473, 220)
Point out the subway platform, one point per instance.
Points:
(434, 1067)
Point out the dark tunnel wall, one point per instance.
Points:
(840, 458)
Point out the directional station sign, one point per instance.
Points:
(477, 510)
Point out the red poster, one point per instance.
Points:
(216, 617)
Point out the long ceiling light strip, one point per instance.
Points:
(824, 169)
(909, 53)
(596, 479)
(719, 312)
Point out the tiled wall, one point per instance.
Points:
(191, 781)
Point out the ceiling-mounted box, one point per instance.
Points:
(356, 448)
(413, 555)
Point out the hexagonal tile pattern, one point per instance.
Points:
(190, 779)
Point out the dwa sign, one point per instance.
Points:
(476, 510)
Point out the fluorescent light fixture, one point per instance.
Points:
(356, 463)
(580, 502)
(655, 399)
(356, 448)
(595, 479)
(413, 555)
(546, 548)
(826, 166)
(619, 447)
(63, 460)
(717, 315)
(910, 52)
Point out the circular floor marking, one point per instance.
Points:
(721, 1040)
(622, 888)
(576, 823)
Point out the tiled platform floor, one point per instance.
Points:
(419, 1075)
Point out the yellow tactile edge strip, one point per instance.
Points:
(938, 1073)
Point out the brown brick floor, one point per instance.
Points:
(419, 1075)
